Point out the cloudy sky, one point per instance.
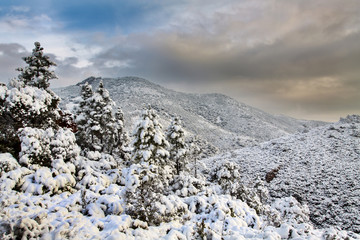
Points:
(295, 57)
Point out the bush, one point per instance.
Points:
(145, 187)
(227, 175)
(48, 158)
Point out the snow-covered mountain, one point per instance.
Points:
(216, 118)
(57, 191)
(320, 168)
(318, 163)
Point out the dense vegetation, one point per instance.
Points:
(82, 176)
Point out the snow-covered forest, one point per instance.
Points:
(81, 174)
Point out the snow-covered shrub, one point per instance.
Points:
(7, 163)
(63, 146)
(145, 187)
(261, 190)
(291, 210)
(37, 181)
(44, 180)
(227, 175)
(14, 179)
(48, 158)
(248, 195)
(26, 228)
(100, 161)
(35, 146)
(219, 215)
(101, 205)
(97, 171)
(185, 185)
(49, 148)
(335, 233)
(32, 106)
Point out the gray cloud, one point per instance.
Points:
(10, 59)
(301, 56)
(294, 57)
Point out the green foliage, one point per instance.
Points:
(178, 149)
(146, 198)
(99, 128)
(28, 102)
(227, 175)
(149, 144)
(83, 137)
(37, 72)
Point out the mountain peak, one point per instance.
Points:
(89, 80)
(93, 80)
(216, 118)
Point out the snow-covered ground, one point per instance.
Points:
(320, 168)
(55, 190)
(95, 209)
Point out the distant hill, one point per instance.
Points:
(320, 168)
(220, 120)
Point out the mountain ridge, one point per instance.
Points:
(220, 120)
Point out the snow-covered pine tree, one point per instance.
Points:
(99, 128)
(28, 102)
(149, 144)
(104, 116)
(147, 179)
(36, 131)
(178, 149)
(194, 152)
(28, 88)
(121, 137)
(83, 137)
(37, 72)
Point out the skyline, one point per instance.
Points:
(298, 58)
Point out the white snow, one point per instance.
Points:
(53, 192)
(319, 167)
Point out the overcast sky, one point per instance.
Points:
(295, 57)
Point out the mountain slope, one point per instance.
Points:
(320, 168)
(216, 118)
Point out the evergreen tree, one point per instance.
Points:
(99, 128)
(105, 118)
(149, 144)
(28, 102)
(178, 150)
(37, 72)
(194, 152)
(83, 137)
(121, 137)
(150, 174)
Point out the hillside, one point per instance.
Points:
(216, 118)
(320, 168)
(57, 189)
